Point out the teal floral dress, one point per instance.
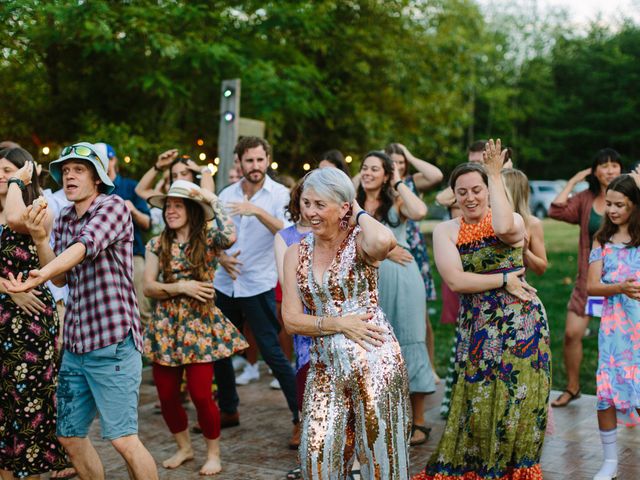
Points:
(28, 372)
(501, 382)
(184, 330)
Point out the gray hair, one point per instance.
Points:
(331, 184)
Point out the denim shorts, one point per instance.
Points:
(106, 381)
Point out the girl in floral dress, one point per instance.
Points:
(614, 273)
(188, 332)
(28, 336)
(501, 382)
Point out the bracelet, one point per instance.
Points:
(361, 212)
(319, 322)
(504, 279)
(395, 185)
(18, 182)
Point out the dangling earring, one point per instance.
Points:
(344, 221)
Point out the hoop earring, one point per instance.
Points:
(344, 223)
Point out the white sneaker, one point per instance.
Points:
(275, 384)
(239, 362)
(251, 373)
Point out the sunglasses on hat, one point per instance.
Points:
(81, 150)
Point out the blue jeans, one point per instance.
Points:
(260, 312)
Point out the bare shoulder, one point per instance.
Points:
(291, 255)
(449, 229)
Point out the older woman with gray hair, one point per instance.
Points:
(356, 398)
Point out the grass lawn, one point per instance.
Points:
(554, 288)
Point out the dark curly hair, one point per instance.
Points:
(387, 198)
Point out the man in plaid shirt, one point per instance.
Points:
(101, 366)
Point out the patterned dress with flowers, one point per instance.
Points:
(28, 372)
(498, 414)
(184, 330)
(618, 376)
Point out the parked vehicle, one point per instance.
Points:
(541, 194)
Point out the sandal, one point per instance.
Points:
(571, 397)
(294, 474)
(65, 474)
(419, 428)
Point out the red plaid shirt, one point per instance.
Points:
(102, 306)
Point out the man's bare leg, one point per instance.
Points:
(138, 458)
(84, 457)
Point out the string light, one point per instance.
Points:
(200, 142)
(229, 116)
(45, 150)
(214, 170)
(348, 159)
(202, 156)
(306, 167)
(211, 166)
(216, 161)
(274, 165)
(127, 159)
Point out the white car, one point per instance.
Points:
(541, 194)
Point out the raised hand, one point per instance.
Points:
(245, 208)
(34, 219)
(25, 173)
(580, 176)
(493, 157)
(166, 158)
(203, 195)
(193, 166)
(635, 174)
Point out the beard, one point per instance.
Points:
(247, 176)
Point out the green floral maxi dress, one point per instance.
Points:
(500, 392)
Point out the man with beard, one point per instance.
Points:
(246, 290)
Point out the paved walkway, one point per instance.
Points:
(257, 449)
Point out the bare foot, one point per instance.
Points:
(66, 473)
(212, 466)
(178, 458)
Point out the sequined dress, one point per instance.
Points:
(500, 392)
(355, 400)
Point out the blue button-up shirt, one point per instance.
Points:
(126, 189)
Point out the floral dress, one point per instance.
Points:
(29, 371)
(500, 392)
(184, 330)
(418, 247)
(618, 377)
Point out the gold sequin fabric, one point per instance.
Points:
(356, 401)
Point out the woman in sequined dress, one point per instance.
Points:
(501, 381)
(356, 398)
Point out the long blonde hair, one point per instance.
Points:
(517, 185)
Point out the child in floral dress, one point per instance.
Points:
(614, 273)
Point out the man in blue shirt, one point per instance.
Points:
(125, 189)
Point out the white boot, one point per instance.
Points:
(251, 373)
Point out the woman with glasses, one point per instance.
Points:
(28, 334)
(188, 332)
